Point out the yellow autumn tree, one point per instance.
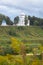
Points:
(15, 45)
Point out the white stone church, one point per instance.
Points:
(22, 20)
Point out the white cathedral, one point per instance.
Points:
(22, 20)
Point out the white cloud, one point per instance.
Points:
(15, 7)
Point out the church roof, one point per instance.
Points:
(22, 14)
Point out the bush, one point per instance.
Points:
(3, 61)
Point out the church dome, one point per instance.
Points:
(22, 14)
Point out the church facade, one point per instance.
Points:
(22, 20)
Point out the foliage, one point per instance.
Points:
(8, 21)
(6, 18)
(16, 20)
(3, 61)
(35, 21)
(32, 37)
(11, 45)
(17, 60)
(26, 20)
(15, 44)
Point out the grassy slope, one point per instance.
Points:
(22, 32)
(32, 36)
(31, 33)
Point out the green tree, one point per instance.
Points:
(1, 18)
(6, 18)
(8, 21)
(36, 23)
(16, 20)
(26, 20)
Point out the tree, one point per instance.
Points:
(8, 21)
(16, 20)
(6, 18)
(26, 20)
(0, 21)
(32, 20)
(36, 23)
(1, 18)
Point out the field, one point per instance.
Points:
(21, 45)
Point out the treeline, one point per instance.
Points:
(6, 18)
(35, 21)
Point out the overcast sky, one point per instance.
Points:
(13, 8)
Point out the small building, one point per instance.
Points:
(4, 23)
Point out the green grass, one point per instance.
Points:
(22, 32)
(31, 36)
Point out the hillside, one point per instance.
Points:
(31, 32)
(12, 36)
(24, 34)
